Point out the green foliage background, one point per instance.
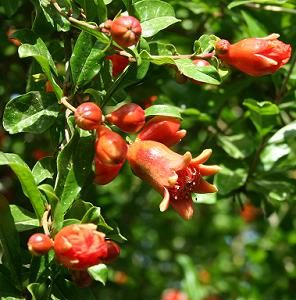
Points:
(248, 122)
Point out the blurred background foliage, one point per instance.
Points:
(241, 242)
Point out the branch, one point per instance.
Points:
(272, 8)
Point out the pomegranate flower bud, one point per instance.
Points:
(129, 117)
(88, 116)
(110, 147)
(126, 31)
(119, 63)
(162, 129)
(255, 56)
(113, 252)
(173, 175)
(105, 173)
(80, 246)
(39, 244)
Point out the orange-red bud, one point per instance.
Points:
(80, 246)
(173, 294)
(162, 129)
(129, 117)
(110, 147)
(119, 63)
(126, 31)
(255, 56)
(105, 173)
(88, 116)
(39, 244)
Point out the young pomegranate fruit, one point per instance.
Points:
(88, 116)
(39, 244)
(126, 31)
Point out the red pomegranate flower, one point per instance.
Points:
(255, 56)
(173, 175)
(80, 246)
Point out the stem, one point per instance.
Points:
(71, 19)
(65, 102)
(45, 220)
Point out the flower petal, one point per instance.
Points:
(208, 170)
(202, 158)
(164, 204)
(183, 207)
(205, 187)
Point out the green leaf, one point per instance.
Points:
(10, 243)
(238, 146)
(205, 44)
(94, 9)
(155, 16)
(10, 7)
(43, 169)
(263, 114)
(207, 74)
(50, 195)
(53, 17)
(228, 180)
(254, 27)
(33, 112)
(39, 51)
(99, 273)
(85, 59)
(38, 290)
(158, 48)
(204, 198)
(74, 166)
(23, 219)
(278, 146)
(26, 179)
(93, 215)
(6, 286)
(163, 110)
(242, 2)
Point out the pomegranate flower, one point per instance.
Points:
(173, 175)
(80, 246)
(255, 56)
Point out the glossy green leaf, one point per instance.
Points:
(33, 112)
(99, 273)
(39, 51)
(93, 215)
(38, 291)
(94, 9)
(207, 74)
(163, 110)
(23, 219)
(263, 114)
(155, 16)
(50, 195)
(85, 59)
(26, 179)
(43, 169)
(74, 166)
(158, 48)
(228, 180)
(10, 243)
(237, 146)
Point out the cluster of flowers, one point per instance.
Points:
(173, 175)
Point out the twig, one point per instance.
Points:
(65, 102)
(272, 8)
(71, 19)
